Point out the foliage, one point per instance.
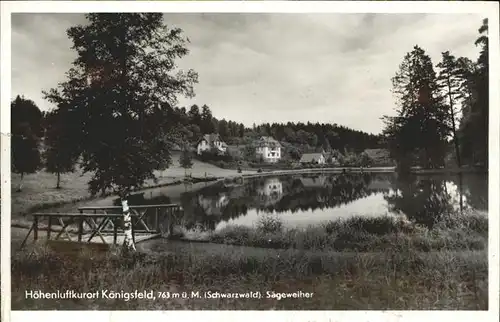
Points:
(213, 155)
(390, 279)
(365, 160)
(419, 130)
(26, 132)
(431, 109)
(185, 159)
(354, 160)
(25, 114)
(121, 87)
(269, 224)
(473, 129)
(363, 234)
(61, 143)
(296, 138)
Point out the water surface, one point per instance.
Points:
(303, 200)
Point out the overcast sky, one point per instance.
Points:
(256, 68)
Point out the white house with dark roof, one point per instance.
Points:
(211, 141)
(268, 149)
(313, 158)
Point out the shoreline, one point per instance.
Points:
(22, 222)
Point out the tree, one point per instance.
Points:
(418, 132)
(249, 152)
(207, 124)
(194, 132)
(61, 146)
(473, 128)
(194, 115)
(26, 120)
(25, 113)
(121, 86)
(449, 80)
(365, 160)
(223, 129)
(326, 144)
(241, 130)
(186, 160)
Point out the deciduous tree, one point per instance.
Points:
(26, 120)
(121, 85)
(185, 160)
(61, 143)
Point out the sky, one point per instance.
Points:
(255, 68)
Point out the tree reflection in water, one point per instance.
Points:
(423, 199)
(426, 199)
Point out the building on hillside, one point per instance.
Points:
(313, 158)
(268, 149)
(211, 141)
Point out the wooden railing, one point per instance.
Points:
(149, 219)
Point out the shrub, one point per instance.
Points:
(269, 224)
(260, 170)
(239, 169)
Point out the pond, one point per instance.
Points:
(304, 200)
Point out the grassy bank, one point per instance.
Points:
(338, 281)
(361, 234)
(358, 263)
(39, 190)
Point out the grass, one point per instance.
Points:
(361, 234)
(360, 263)
(338, 281)
(39, 189)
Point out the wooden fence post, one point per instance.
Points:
(49, 228)
(115, 231)
(35, 228)
(80, 227)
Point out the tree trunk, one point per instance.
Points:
(454, 130)
(58, 181)
(128, 242)
(20, 187)
(460, 191)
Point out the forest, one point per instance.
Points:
(441, 113)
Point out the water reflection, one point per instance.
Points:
(306, 199)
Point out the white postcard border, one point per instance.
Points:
(487, 9)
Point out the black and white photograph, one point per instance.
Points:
(261, 161)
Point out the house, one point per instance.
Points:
(313, 158)
(268, 149)
(211, 141)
